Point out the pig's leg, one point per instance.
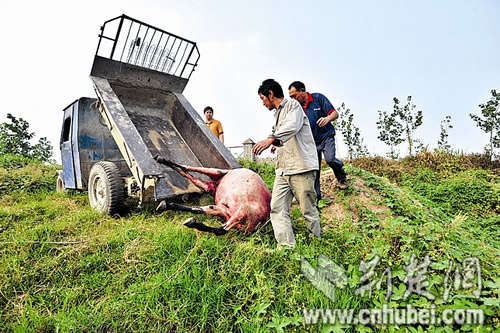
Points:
(213, 173)
(173, 206)
(214, 210)
(192, 223)
(237, 217)
(208, 187)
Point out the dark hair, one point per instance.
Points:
(208, 108)
(272, 85)
(299, 86)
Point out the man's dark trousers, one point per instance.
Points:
(327, 147)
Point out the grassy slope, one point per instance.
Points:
(147, 271)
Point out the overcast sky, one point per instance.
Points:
(446, 54)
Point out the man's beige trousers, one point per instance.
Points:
(300, 186)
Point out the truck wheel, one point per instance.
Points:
(106, 188)
(60, 185)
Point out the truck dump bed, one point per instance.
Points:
(147, 114)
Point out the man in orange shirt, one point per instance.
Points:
(214, 125)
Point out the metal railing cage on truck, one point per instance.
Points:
(131, 41)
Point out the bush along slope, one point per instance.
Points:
(456, 183)
(442, 163)
(66, 267)
(22, 174)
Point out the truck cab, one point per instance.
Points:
(85, 140)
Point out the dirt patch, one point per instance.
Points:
(357, 201)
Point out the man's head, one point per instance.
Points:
(297, 91)
(271, 93)
(209, 113)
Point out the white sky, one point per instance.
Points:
(445, 54)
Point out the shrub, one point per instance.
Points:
(389, 168)
(15, 138)
(446, 164)
(11, 161)
(26, 175)
(469, 192)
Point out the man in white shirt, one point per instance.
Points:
(297, 163)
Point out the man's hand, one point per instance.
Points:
(323, 121)
(262, 145)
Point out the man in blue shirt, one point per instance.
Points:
(320, 113)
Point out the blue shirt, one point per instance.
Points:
(318, 106)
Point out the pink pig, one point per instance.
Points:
(241, 197)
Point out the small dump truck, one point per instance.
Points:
(108, 143)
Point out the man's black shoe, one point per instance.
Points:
(342, 184)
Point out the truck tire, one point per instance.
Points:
(60, 185)
(106, 188)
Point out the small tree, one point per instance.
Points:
(390, 132)
(15, 139)
(490, 121)
(443, 136)
(399, 126)
(419, 146)
(410, 118)
(351, 134)
(42, 150)
(360, 149)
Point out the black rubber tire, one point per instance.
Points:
(106, 188)
(60, 185)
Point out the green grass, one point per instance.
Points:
(65, 267)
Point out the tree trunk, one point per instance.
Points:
(491, 145)
(410, 141)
